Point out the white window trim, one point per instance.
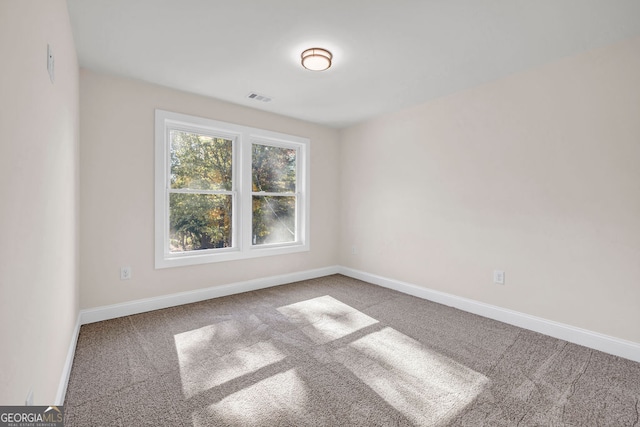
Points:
(243, 137)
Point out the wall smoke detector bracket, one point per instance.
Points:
(50, 63)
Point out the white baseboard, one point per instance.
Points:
(149, 304)
(66, 370)
(617, 347)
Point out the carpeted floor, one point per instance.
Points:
(336, 351)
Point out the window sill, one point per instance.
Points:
(180, 260)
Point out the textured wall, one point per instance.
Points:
(535, 174)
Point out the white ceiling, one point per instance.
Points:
(387, 54)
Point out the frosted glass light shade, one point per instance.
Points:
(316, 59)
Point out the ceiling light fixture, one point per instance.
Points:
(316, 59)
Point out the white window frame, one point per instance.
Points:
(243, 138)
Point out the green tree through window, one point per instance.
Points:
(274, 194)
(200, 205)
(227, 192)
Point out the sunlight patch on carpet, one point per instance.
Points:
(275, 400)
(427, 387)
(325, 319)
(215, 354)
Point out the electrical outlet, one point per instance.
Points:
(354, 250)
(498, 277)
(125, 273)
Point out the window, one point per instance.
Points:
(226, 192)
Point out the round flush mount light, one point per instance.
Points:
(316, 59)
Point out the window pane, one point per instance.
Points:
(274, 169)
(274, 219)
(199, 221)
(200, 162)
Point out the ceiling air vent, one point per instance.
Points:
(257, 97)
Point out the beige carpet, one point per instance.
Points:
(338, 352)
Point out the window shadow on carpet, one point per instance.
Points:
(335, 362)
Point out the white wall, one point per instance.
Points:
(537, 174)
(117, 190)
(38, 198)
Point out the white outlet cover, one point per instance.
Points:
(125, 273)
(498, 277)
